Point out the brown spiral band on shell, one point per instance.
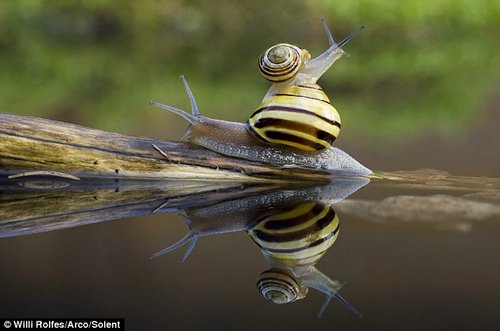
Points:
(278, 286)
(280, 63)
(298, 116)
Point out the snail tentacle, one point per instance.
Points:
(324, 306)
(191, 238)
(344, 302)
(329, 35)
(340, 299)
(190, 248)
(195, 112)
(194, 107)
(316, 67)
(351, 35)
(319, 281)
(188, 117)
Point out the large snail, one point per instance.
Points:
(294, 125)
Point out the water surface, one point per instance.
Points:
(413, 250)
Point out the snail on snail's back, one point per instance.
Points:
(295, 124)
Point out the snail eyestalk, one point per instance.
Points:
(316, 67)
(319, 281)
(194, 107)
(350, 36)
(188, 117)
(331, 42)
(191, 238)
(195, 112)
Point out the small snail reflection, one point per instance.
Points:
(293, 242)
(292, 237)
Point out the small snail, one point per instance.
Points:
(296, 114)
(294, 125)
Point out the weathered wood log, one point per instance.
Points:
(36, 144)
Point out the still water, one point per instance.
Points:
(414, 250)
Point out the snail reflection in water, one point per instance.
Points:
(293, 229)
(293, 241)
(295, 124)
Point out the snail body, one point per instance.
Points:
(294, 125)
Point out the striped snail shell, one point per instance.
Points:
(282, 62)
(280, 287)
(299, 236)
(297, 116)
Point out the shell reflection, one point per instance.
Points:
(293, 230)
(293, 241)
(299, 236)
(279, 286)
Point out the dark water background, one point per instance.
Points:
(402, 275)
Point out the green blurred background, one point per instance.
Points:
(422, 68)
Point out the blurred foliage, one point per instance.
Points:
(422, 65)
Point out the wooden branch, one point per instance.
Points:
(34, 144)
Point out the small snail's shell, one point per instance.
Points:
(278, 286)
(299, 236)
(281, 62)
(300, 117)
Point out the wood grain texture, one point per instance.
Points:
(36, 144)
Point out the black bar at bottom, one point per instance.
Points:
(62, 323)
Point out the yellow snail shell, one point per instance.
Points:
(298, 116)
